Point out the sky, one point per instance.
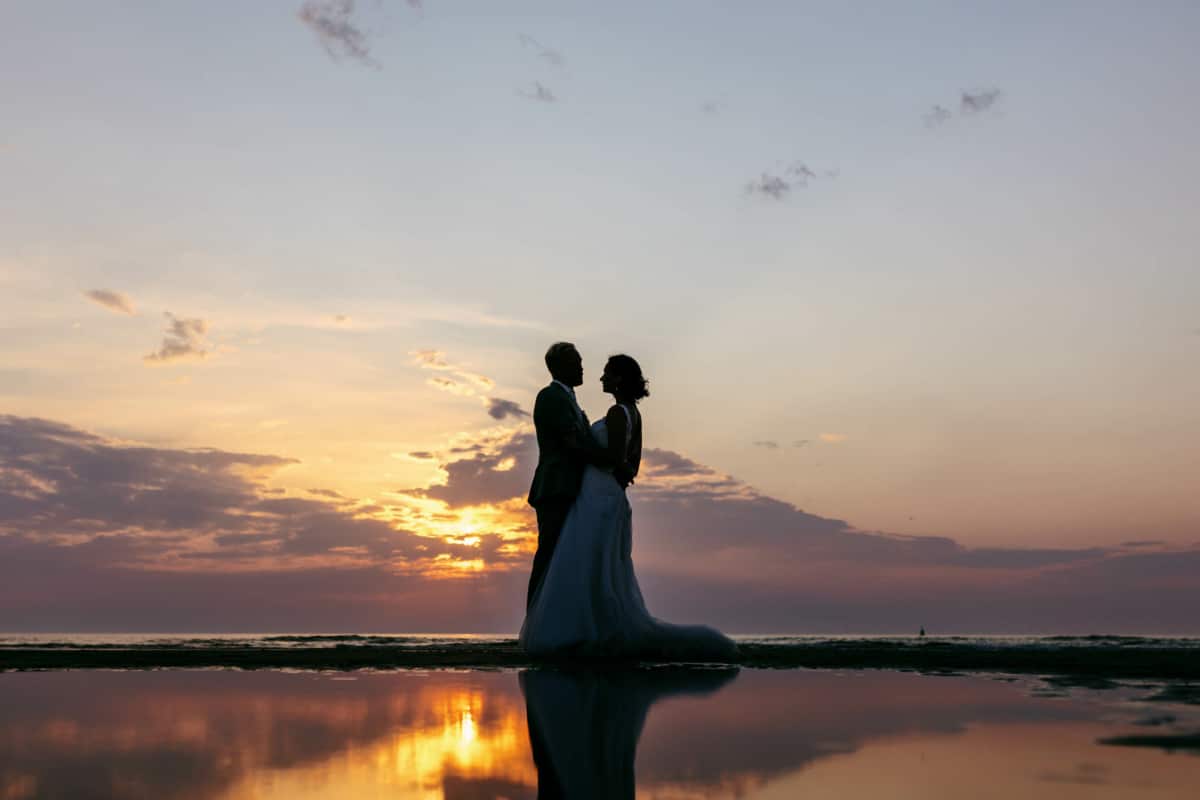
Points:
(915, 289)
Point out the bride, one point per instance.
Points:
(589, 603)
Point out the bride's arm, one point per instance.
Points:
(617, 424)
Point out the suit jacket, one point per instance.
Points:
(565, 447)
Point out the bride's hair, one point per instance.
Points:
(633, 384)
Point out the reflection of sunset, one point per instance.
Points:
(466, 733)
(771, 734)
(269, 735)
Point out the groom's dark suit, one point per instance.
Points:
(565, 447)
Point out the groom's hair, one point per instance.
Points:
(555, 355)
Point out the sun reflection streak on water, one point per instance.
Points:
(463, 733)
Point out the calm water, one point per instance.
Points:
(659, 733)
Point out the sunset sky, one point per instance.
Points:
(916, 287)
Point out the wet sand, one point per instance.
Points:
(1084, 661)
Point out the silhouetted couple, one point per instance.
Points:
(583, 599)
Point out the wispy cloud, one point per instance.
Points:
(937, 115)
(503, 409)
(779, 182)
(710, 107)
(771, 186)
(452, 386)
(767, 444)
(430, 359)
(970, 103)
(331, 21)
(976, 102)
(458, 380)
(547, 54)
(833, 438)
(436, 360)
(540, 93)
(183, 339)
(113, 301)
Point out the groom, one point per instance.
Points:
(565, 447)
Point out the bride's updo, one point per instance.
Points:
(633, 385)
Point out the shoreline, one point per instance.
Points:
(1096, 662)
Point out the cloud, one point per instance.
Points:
(450, 385)
(476, 480)
(969, 104)
(666, 463)
(710, 107)
(436, 360)
(503, 409)
(771, 186)
(778, 183)
(701, 534)
(767, 444)
(183, 339)
(113, 301)
(93, 530)
(430, 359)
(977, 102)
(800, 172)
(464, 382)
(937, 115)
(158, 508)
(833, 438)
(547, 54)
(801, 442)
(540, 93)
(331, 21)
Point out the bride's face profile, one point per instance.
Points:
(609, 382)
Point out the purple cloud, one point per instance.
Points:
(113, 301)
(504, 409)
(331, 21)
(156, 507)
(102, 534)
(778, 184)
(978, 102)
(183, 339)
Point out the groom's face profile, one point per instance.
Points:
(568, 367)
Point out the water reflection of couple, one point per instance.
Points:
(584, 600)
(584, 725)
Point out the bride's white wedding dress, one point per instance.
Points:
(589, 604)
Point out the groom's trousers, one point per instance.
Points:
(551, 515)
